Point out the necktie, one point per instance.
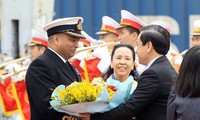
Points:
(67, 64)
(72, 73)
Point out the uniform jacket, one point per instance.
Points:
(149, 100)
(182, 108)
(43, 76)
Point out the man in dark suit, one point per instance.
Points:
(52, 68)
(149, 100)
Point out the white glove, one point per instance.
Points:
(20, 76)
(26, 62)
(80, 56)
(101, 52)
(97, 42)
(103, 64)
(10, 68)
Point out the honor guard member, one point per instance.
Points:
(101, 55)
(52, 68)
(196, 34)
(38, 43)
(37, 46)
(108, 33)
(195, 40)
(129, 28)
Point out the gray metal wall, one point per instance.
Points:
(93, 10)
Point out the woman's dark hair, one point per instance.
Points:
(110, 70)
(188, 81)
(158, 36)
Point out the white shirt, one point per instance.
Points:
(58, 55)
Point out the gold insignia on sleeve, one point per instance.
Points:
(79, 24)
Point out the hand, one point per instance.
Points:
(26, 62)
(85, 116)
(97, 42)
(101, 52)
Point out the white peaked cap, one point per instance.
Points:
(71, 26)
(109, 21)
(128, 19)
(196, 30)
(109, 25)
(165, 25)
(39, 34)
(38, 37)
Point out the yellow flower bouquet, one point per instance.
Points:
(82, 97)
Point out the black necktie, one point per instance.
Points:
(67, 64)
(72, 73)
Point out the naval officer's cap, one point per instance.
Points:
(71, 26)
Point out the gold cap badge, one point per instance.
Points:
(79, 24)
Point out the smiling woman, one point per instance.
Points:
(121, 73)
(122, 63)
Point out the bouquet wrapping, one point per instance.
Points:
(81, 97)
(86, 97)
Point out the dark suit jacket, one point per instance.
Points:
(149, 100)
(180, 108)
(43, 75)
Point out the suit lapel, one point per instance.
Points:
(61, 65)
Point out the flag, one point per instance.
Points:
(92, 69)
(8, 103)
(21, 97)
